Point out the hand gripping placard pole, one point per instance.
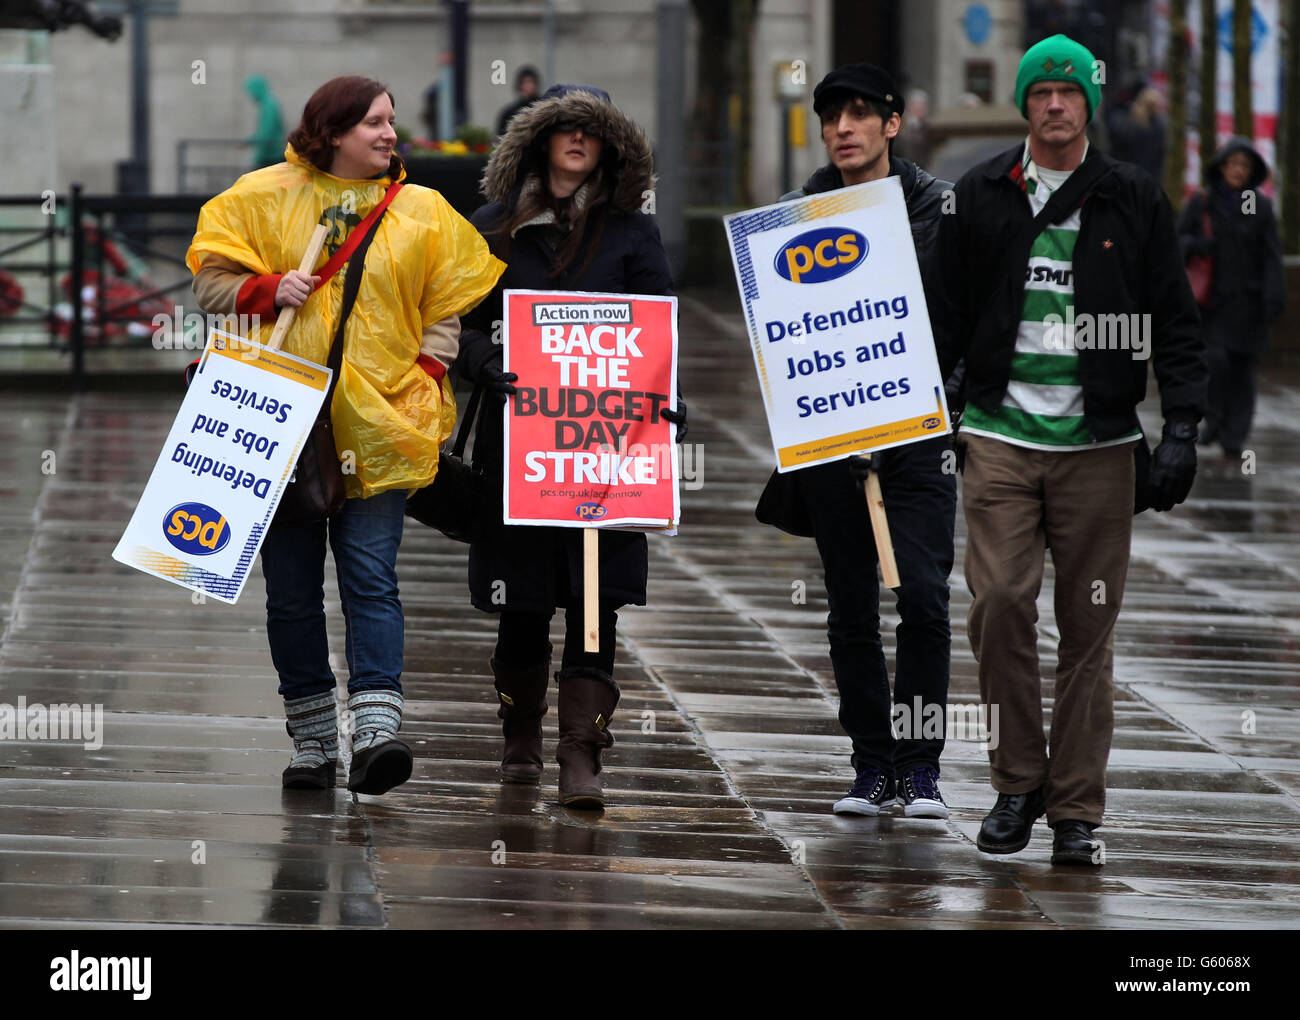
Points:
(308, 263)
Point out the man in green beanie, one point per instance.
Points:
(1059, 58)
(1056, 316)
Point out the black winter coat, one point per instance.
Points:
(542, 567)
(1126, 262)
(1248, 290)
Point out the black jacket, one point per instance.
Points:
(1126, 261)
(541, 568)
(1248, 290)
(922, 191)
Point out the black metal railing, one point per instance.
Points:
(110, 265)
(156, 228)
(37, 253)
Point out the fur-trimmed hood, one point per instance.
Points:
(626, 156)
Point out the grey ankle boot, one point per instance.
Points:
(379, 760)
(313, 723)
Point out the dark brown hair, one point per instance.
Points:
(333, 110)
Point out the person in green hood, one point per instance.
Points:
(268, 141)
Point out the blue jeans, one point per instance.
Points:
(920, 503)
(364, 537)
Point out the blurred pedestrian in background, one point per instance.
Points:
(429, 113)
(1138, 135)
(392, 405)
(1233, 224)
(268, 140)
(527, 85)
(913, 142)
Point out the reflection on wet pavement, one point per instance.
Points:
(729, 753)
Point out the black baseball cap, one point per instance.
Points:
(866, 80)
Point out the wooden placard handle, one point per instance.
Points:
(880, 528)
(308, 263)
(591, 590)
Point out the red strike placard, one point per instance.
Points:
(585, 442)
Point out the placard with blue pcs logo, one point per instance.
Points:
(227, 459)
(837, 321)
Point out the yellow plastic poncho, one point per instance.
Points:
(426, 262)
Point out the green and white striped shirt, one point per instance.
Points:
(1043, 405)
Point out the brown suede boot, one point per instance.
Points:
(522, 693)
(587, 701)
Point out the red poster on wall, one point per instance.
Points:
(585, 442)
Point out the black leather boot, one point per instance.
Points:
(1072, 843)
(1007, 827)
(588, 698)
(522, 693)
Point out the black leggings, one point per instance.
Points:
(523, 638)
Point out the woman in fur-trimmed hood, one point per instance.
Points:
(566, 185)
(623, 176)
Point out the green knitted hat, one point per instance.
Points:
(1058, 58)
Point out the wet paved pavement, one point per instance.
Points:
(728, 756)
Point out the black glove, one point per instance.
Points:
(954, 390)
(860, 466)
(495, 381)
(677, 417)
(1173, 466)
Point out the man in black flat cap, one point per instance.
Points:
(861, 110)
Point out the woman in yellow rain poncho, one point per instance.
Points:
(391, 411)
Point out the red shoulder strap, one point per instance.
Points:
(358, 232)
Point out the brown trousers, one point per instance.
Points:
(1079, 505)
